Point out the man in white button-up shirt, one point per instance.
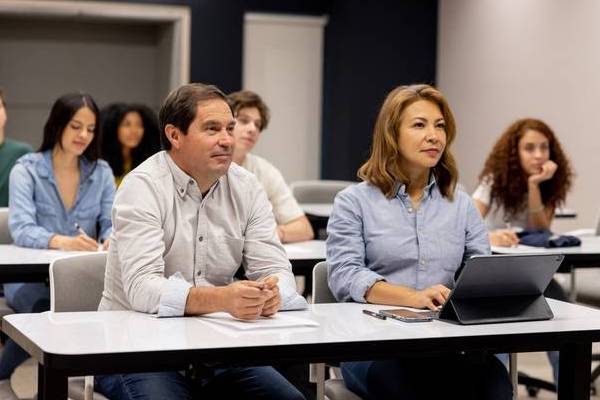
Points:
(183, 222)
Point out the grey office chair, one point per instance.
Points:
(76, 284)
(319, 191)
(5, 237)
(323, 191)
(332, 389)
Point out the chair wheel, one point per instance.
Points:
(532, 391)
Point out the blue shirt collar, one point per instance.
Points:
(400, 188)
(45, 170)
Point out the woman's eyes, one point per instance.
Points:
(532, 147)
(439, 125)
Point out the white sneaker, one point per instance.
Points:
(6, 392)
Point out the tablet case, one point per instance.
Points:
(502, 288)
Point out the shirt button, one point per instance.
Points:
(200, 238)
(410, 209)
(181, 190)
(199, 273)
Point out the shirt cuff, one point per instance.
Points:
(42, 240)
(105, 235)
(173, 298)
(294, 302)
(362, 284)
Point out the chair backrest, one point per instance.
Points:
(77, 282)
(5, 237)
(322, 191)
(320, 290)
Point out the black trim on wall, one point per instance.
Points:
(371, 46)
(217, 34)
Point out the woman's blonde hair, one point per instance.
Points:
(382, 169)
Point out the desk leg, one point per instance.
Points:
(573, 287)
(575, 371)
(51, 384)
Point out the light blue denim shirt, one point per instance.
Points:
(373, 238)
(36, 208)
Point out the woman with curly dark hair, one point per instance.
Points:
(130, 134)
(525, 177)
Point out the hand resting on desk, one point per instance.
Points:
(73, 243)
(504, 238)
(246, 300)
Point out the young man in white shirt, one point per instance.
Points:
(183, 222)
(252, 116)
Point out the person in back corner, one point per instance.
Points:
(184, 221)
(399, 238)
(60, 198)
(129, 136)
(10, 151)
(252, 116)
(525, 177)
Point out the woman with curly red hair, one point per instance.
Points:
(525, 177)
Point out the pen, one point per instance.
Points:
(79, 229)
(374, 314)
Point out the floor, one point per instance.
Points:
(24, 379)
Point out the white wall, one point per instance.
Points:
(283, 63)
(503, 60)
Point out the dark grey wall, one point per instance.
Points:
(370, 48)
(217, 34)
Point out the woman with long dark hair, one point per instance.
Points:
(60, 198)
(130, 135)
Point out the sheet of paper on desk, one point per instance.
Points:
(279, 320)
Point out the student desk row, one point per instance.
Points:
(20, 264)
(585, 256)
(89, 343)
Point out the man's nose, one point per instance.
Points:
(226, 140)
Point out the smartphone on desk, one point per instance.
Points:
(408, 315)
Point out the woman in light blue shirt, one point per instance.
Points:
(59, 198)
(399, 238)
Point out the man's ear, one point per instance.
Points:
(173, 134)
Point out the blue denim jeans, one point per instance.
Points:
(452, 377)
(227, 383)
(23, 298)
